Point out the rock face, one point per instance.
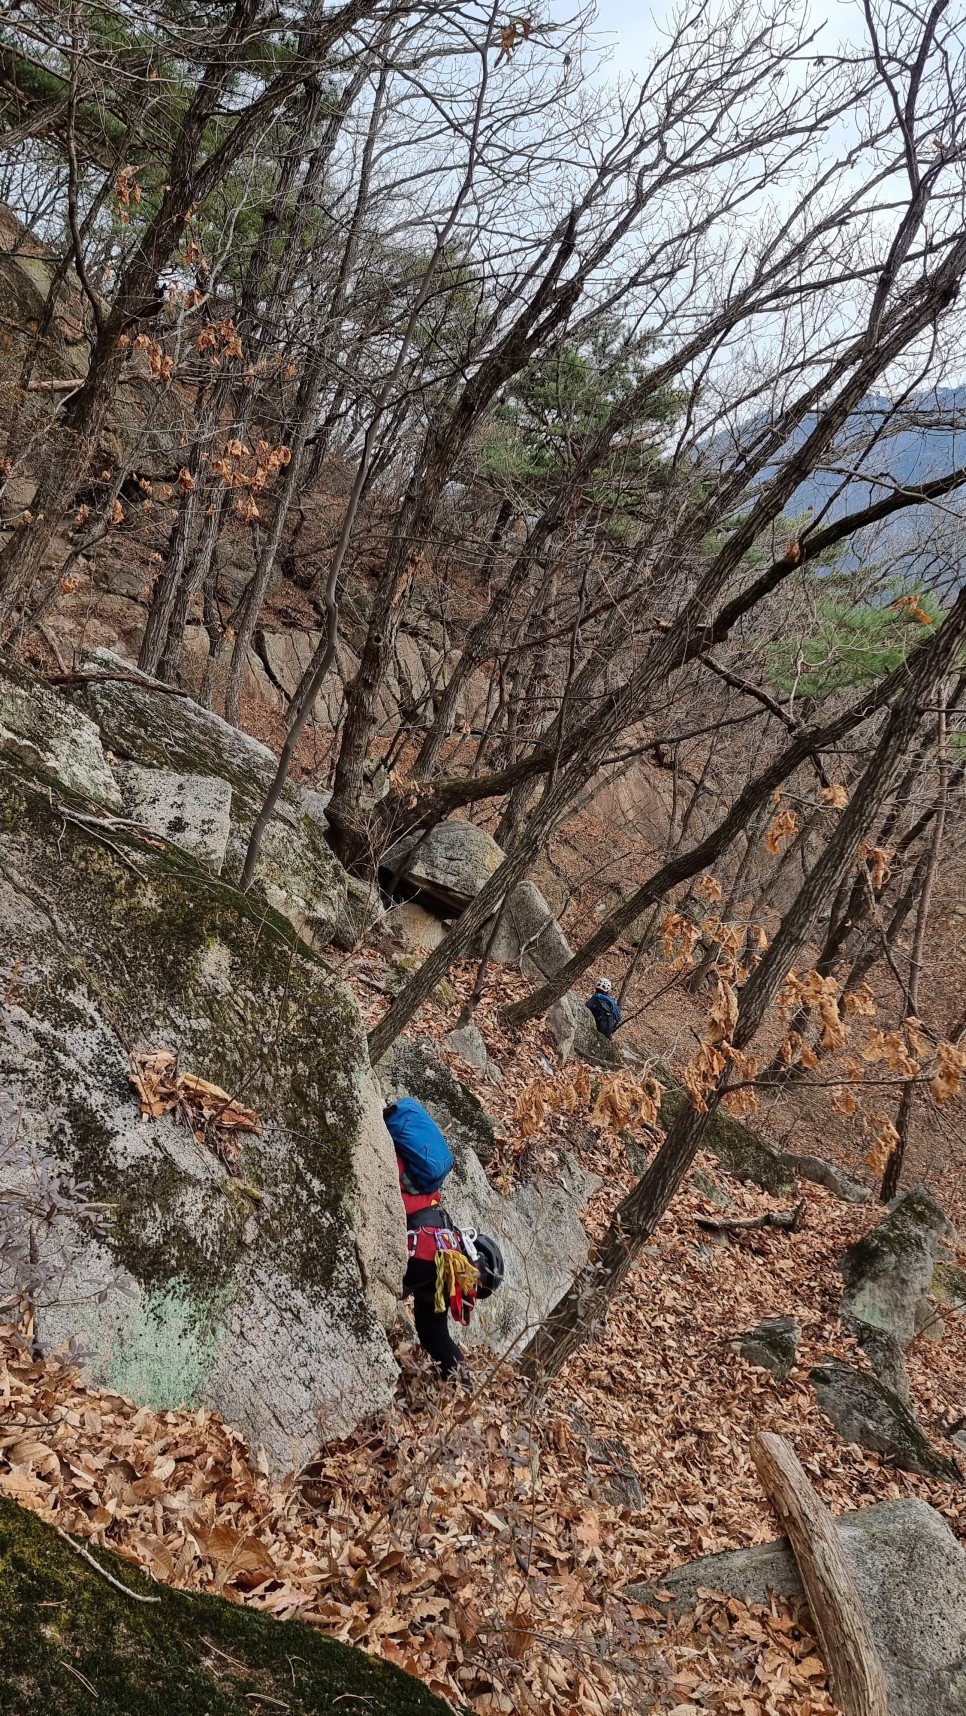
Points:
(772, 1345)
(888, 1272)
(822, 1173)
(573, 1029)
(538, 1228)
(451, 864)
(176, 740)
(363, 909)
(467, 1042)
(192, 811)
(417, 927)
(742, 1152)
(911, 1577)
(529, 935)
(262, 1291)
(286, 655)
(865, 1411)
(747, 1156)
(170, 1654)
(949, 1285)
(542, 1238)
(887, 1356)
(47, 733)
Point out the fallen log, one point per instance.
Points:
(845, 1636)
(69, 384)
(789, 1219)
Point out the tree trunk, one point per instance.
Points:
(893, 1168)
(641, 1211)
(167, 585)
(302, 422)
(196, 575)
(471, 658)
(853, 1661)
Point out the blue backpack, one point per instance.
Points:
(607, 1014)
(419, 1143)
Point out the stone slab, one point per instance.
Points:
(44, 730)
(911, 1576)
(192, 811)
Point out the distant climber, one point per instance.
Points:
(449, 1267)
(607, 1014)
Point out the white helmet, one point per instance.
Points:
(605, 985)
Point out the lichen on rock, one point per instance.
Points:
(45, 732)
(572, 1026)
(269, 1286)
(142, 723)
(772, 1345)
(739, 1149)
(888, 1272)
(865, 1411)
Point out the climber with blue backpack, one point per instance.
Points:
(607, 1015)
(449, 1267)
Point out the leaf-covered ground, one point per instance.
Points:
(483, 1542)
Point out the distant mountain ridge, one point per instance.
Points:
(929, 438)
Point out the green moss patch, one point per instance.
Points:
(71, 1643)
(742, 1152)
(144, 940)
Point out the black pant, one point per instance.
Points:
(432, 1326)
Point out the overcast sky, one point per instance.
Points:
(629, 27)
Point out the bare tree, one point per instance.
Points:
(640, 1212)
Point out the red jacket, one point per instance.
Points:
(413, 1202)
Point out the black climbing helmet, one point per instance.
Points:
(490, 1265)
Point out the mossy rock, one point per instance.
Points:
(747, 1156)
(949, 1285)
(48, 733)
(70, 1643)
(710, 1189)
(866, 1412)
(141, 722)
(589, 1045)
(772, 1345)
(267, 1303)
(742, 1152)
(889, 1271)
(398, 973)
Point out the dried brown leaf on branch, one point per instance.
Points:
(883, 1140)
(702, 1074)
(781, 828)
(950, 1066)
(877, 858)
(897, 1056)
(859, 1002)
(679, 936)
(214, 1117)
(622, 1100)
(723, 1014)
